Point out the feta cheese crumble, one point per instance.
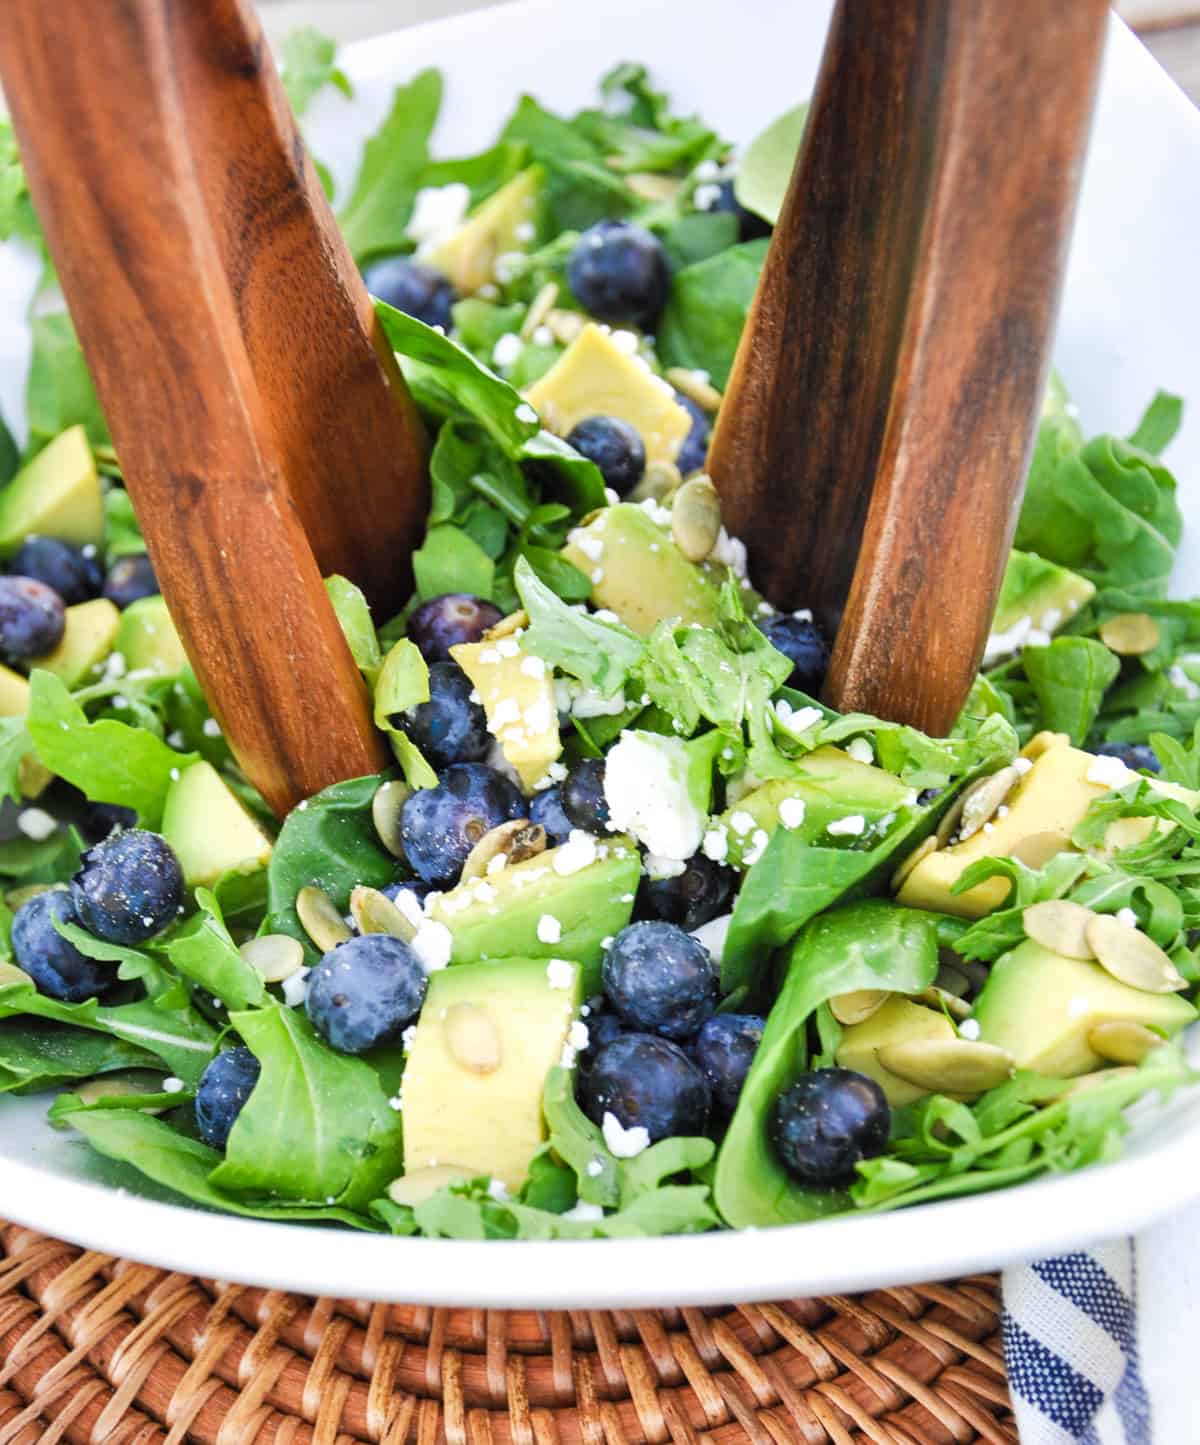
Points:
(577, 852)
(1110, 773)
(36, 824)
(295, 989)
(437, 213)
(549, 929)
(791, 812)
(507, 351)
(624, 1143)
(716, 845)
(172, 1085)
(584, 1213)
(433, 944)
(860, 750)
(1128, 917)
(852, 827)
(646, 788)
(969, 1029)
(560, 973)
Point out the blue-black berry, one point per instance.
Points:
(660, 980)
(615, 446)
(583, 799)
(826, 1122)
(32, 617)
(414, 288)
(57, 967)
(697, 895)
(224, 1088)
(646, 1082)
(129, 888)
(546, 809)
(618, 271)
(1141, 757)
(365, 992)
(444, 622)
(65, 569)
(694, 451)
(801, 640)
(449, 727)
(130, 579)
(725, 1049)
(439, 826)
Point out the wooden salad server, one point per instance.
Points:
(877, 426)
(263, 429)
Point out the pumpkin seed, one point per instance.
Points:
(320, 919)
(944, 998)
(1035, 850)
(921, 851)
(1060, 926)
(514, 841)
(951, 818)
(1121, 1041)
(1131, 634)
(1042, 742)
(539, 308)
(659, 481)
(696, 386)
(858, 1005)
(275, 956)
(122, 1086)
(418, 1185)
(565, 326)
(16, 896)
(516, 621)
(1131, 957)
(696, 518)
(653, 185)
(948, 1066)
(374, 912)
(386, 807)
(981, 800)
(11, 974)
(472, 1038)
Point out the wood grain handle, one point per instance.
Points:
(117, 174)
(875, 434)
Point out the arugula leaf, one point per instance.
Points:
(59, 391)
(329, 841)
(580, 188)
(38, 1055)
(375, 218)
(354, 616)
(308, 65)
(184, 1165)
(1070, 677)
(1180, 764)
(317, 1126)
(600, 654)
(766, 167)
(44, 860)
(1004, 927)
(108, 760)
(707, 308)
(579, 1143)
(203, 951)
(122, 531)
(864, 945)
(15, 745)
(403, 682)
(449, 560)
(1159, 424)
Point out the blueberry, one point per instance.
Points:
(646, 1082)
(546, 808)
(750, 226)
(582, 796)
(615, 447)
(700, 893)
(439, 826)
(416, 289)
(57, 967)
(73, 576)
(365, 992)
(32, 617)
(618, 272)
(129, 888)
(224, 1088)
(101, 819)
(825, 1123)
(602, 1025)
(725, 1049)
(443, 622)
(660, 979)
(1141, 757)
(449, 728)
(694, 451)
(804, 643)
(130, 579)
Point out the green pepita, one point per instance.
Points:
(10, 974)
(696, 386)
(122, 1086)
(696, 518)
(1121, 1041)
(659, 481)
(921, 851)
(948, 1066)
(983, 798)
(539, 308)
(320, 919)
(374, 912)
(513, 841)
(858, 1006)
(386, 807)
(1131, 957)
(275, 956)
(1061, 926)
(1131, 634)
(422, 1184)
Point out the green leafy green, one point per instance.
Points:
(580, 188)
(354, 616)
(600, 654)
(15, 744)
(766, 168)
(1159, 424)
(10, 454)
(707, 308)
(450, 560)
(204, 952)
(59, 391)
(309, 65)
(1070, 677)
(403, 682)
(41, 1055)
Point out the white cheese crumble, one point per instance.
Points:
(542, 336)
(1128, 917)
(795, 720)
(35, 823)
(706, 196)
(211, 728)
(595, 1167)
(508, 647)
(507, 350)
(731, 551)
(437, 213)
(713, 935)
(656, 867)
(578, 1036)
(409, 1037)
(586, 702)
(969, 1029)
(716, 844)
(488, 656)
(758, 846)
(852, 827)
(1110, 773)
(624, 1143)
(505, 712)
(646, 788)
(742, 823)
(560, 973)
(526, 414)
(625, 341)
(534, 667)
(1023, 765)
(432, 944)
(172, 1085)
(295, 989)
(584, 1213)
(576, 853)
(498, 1190)
(791, 812)
(860, 750)
(549, 929)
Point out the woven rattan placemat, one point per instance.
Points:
(95, 1349)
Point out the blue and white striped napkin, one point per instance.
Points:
(1070, 1341)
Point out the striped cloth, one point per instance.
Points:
(1070, 1341)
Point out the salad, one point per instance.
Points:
(637, 937)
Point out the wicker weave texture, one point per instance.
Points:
(94, 1349)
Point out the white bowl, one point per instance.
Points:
(1129, 325)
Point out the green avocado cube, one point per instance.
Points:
(57, 494)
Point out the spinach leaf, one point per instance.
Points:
(354, 615)
(580, 188)
(43, 860)
(10, 455)
(203, 951)
(317, 1127)
(449, 560)
(1070, 677)
(374, 219)
(864, 945)
(483, 173)
(185, 1165)
(1159, 424)
(600, 654)
(59, 391)
(308, 65)
(122, 532)
(108, 760)
(15, 744)
(133, 965)
(43, 1055)
(329, 841)
(766, 168)
(403, 682)
(707, 308)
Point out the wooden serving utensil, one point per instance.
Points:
(877, 426)
(258, 415)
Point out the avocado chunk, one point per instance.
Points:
(57, 494)
(517, 692)
(1047, 805)
(498, 226)
(833, 786)
(898, 1021)
(1040, 1006)
(557, 904)
(147, 638)
(210, 831)
(620, 549)
(87, 640)
(488, 1035)
(596, 377)
(1036, 597)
